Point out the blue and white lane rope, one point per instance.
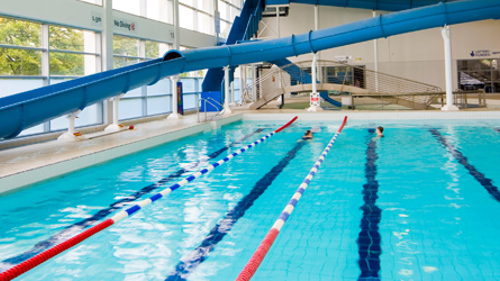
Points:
(141, 204)
(71, 242)
(164, 193)
(257, 258)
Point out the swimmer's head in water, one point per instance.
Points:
(380, 131)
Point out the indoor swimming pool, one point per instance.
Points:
(421, 203)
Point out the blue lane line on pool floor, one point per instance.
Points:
(75, 228)
(480, 177)
(198, 255)
(369, 238)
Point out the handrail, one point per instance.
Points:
(212, 104)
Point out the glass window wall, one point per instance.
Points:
(482, 74)
(160, 10)
(197, 15)
(146, 100)
(34, 55)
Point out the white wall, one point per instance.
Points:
(418, 55)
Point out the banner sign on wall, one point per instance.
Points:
(180, 104)
(125, 24)
(96, 19)
(484, 53)
(343, 59)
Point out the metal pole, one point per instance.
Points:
(316, 28)
(375, 57)
(314, 98)
(107, 52)
(177, 32)
(254, 83)
(445, 32)
(278, 31)
(227, 110)
(243, 82)
(313, 75)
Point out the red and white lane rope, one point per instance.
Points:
(257, 258)
(48, 254)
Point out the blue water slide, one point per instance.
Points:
(324, 95)
(243, 28)
(299, 75)
(30, 108)
(296, 73)
(384, 5)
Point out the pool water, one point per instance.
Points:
(418, 204)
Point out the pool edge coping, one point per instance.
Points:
(24, 179)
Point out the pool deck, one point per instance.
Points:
(25, 165)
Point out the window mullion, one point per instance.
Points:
(45, 54)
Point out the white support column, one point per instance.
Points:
(216, 20)
(233, 97)
(174, 79)
(314, 101)
(243, 82)
(314, 98)
(107, 52)
(177, 32)
(45, 65)
(174, 115)
(45, 54)
(143, 8)
(375, 58)
(313, 74)
(254, 83)
(115, 125)
(445, 32)
(71, 135)
(319, 74)
(316, 17)
(278, 27)
(227, 110)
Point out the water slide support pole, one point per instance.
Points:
(445, 32)
(71, 135)
(254, 83)
(107, 53)
(314, 100)
(375, 57)
(233, 102)
(243, 82)
(278, 33)
(316, 28)
(114, 126)
(227, 110)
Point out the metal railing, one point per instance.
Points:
(343, 79)
(211, 102)
(464, 99)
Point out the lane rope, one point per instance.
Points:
(75, 228)
(48, 254)
(253, 264)
(224, 226)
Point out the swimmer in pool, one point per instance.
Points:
(308, 135)
(380, 131)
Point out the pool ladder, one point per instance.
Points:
(206, 116)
